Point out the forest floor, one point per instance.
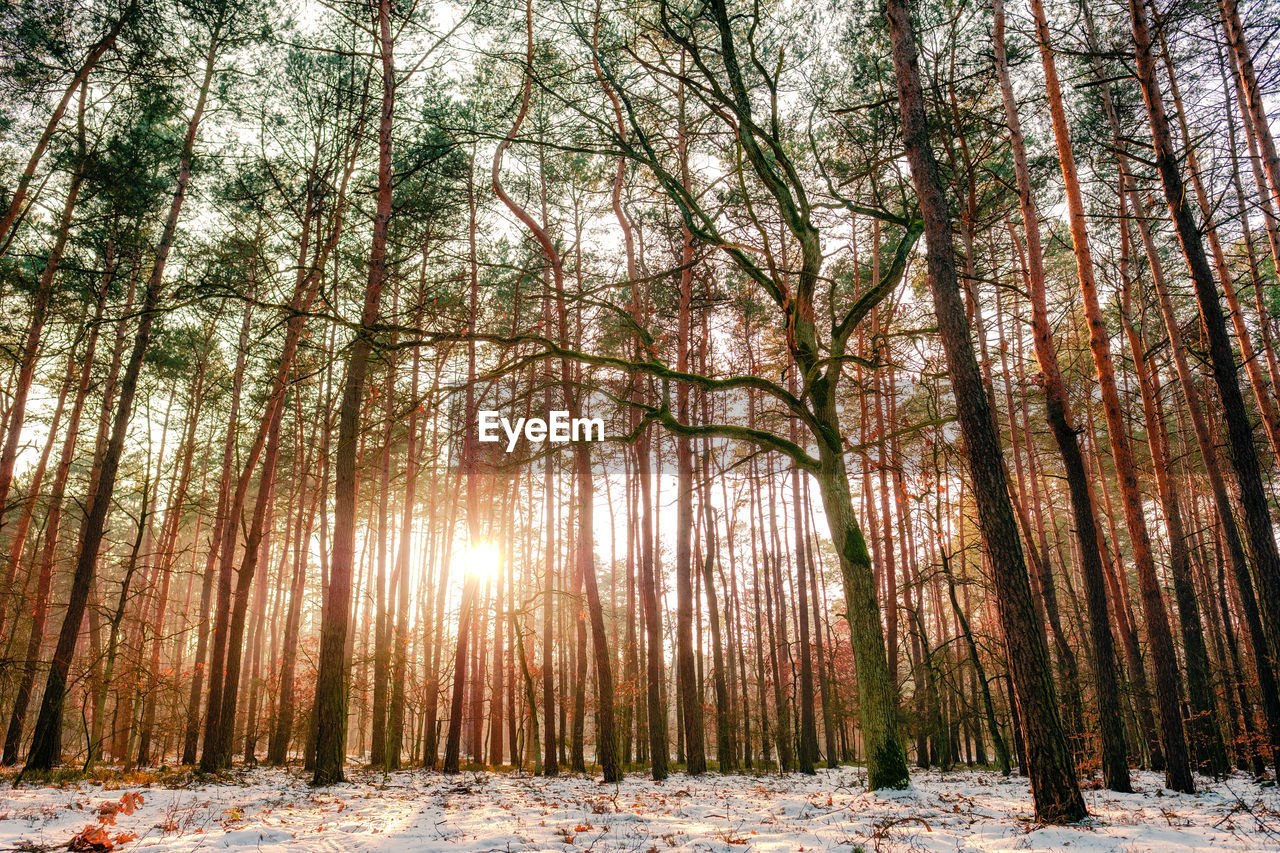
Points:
(275, 810)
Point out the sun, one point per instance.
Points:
(480, 561)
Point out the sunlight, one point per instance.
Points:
(483, 537)
(480, 561)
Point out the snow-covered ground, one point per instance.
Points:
(271, 810)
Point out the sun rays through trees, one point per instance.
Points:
(582, 386)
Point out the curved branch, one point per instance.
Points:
(759, 437)
(652, 368)
(888, 283)
(535, 227)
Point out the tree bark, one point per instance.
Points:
(1244, 455)
(1177, 770)
(1115, 770)
(331, 677)
(1054, 790)
(52, 525)
(45, 741)
(39, 313)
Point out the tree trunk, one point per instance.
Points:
(808, 725)
(1054, 790)
(1177, 770)
(1244, 455)
(39, 313)
(724, 734)
(173, 516)
(1206, 741)
(278, 747)
(45, 741)
(400, 582)
(331, 677)
(52, 523)
(1115, 770)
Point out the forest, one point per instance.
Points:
(882, 391)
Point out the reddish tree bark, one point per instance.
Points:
(1054, 789)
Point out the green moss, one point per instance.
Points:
(889, 768)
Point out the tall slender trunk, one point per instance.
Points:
(725, 760)
(1054, 789)
(110, 264)
(757, 609)
(1206, 741)
(191, 735)
(1244, 456)
(230, 612)
(824, 685)
(39, 313)
(45, 741)
(688, 686)
(382, 612)
(1177, 770)
(331, 678)
(655, 713)
(1115, 770)
(52, 525)
(808, 725)
(1204, 439)
(400, 581)
(453, 746)
(984, 685)
(219, 734)
(282, 731)
(169, 536)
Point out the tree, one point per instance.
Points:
(1053, 784)
(218, 19)
(1114, 760)
(331, 679)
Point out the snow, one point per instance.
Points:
(275, 810)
